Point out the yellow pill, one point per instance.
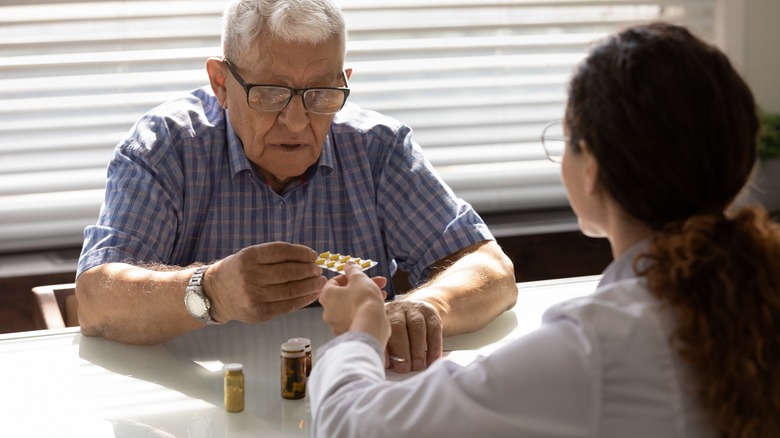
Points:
(335, 256)
(340, 267)
(366, 264)
(357, 260)
(345, 258)
(330, 264)
(325, 255)
(320, 261)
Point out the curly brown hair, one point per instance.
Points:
(720, 277)
(673, 128)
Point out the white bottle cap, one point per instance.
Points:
(305, 341)
(293, 349)
(234, 367)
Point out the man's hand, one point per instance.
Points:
(416, 337)
(119, 301)
(263, 281)
(467, 290)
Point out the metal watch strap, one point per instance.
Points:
(196, 285)
(197, 277)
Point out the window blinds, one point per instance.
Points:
(475, 79)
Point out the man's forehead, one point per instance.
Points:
(294, 59)
(266, 43)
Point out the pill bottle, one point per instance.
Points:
(234, 387)
(293, 370)
(307, 351)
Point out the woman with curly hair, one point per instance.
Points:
(682, 336)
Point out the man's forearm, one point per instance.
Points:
(134, 305)
(471, 291)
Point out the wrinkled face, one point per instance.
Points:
(283, 144)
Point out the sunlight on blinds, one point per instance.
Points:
(476, 80)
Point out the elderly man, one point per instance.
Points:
(218, 203)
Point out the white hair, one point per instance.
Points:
(297, 21)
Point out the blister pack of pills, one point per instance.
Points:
(336, 262)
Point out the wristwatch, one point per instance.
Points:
(196, 302)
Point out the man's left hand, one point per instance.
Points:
(416, 335)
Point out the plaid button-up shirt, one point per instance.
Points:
(181, 190)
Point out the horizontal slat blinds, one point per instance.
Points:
(475, 79)
(478, 80)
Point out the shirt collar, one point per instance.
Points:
(623, 267)
(238, 160)
(327, 156)
(240, 163)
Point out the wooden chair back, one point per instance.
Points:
(57, 306)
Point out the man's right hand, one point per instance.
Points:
(263, 281)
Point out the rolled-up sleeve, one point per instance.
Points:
(430, 221)
(140, 214)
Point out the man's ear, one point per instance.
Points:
(348, 72)
(591, 169)
(215, 68)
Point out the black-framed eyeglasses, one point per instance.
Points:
(274, 98)
(553, 141)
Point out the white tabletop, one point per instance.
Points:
(59, 383)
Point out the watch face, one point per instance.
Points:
(195, 304)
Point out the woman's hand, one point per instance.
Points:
(355, 302)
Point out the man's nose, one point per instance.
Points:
(294, 116)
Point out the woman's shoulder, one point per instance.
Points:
(623, 310)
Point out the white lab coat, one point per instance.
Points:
(600, 366)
